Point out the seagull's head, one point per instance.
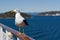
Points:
(15, 10)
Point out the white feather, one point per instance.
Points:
(18, 18)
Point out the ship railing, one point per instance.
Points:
(6, 33)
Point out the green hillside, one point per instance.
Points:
(12, 15)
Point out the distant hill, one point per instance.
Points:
(12, 15)
(49, 13)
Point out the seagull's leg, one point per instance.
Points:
(23, 30)
(19, 29)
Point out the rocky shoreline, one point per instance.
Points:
(49, 13)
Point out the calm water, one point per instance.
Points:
(40, 27)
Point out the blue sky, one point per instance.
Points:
(30, 5)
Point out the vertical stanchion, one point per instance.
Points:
(18, 38)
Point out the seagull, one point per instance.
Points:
(20, 21)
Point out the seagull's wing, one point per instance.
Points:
(12, 15)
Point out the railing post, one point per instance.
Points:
(18, 38)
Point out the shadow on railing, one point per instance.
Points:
(10, 32)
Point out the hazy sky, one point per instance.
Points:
(30, 5)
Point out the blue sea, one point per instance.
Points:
(40, 27)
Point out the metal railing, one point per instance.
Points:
(9, 33)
